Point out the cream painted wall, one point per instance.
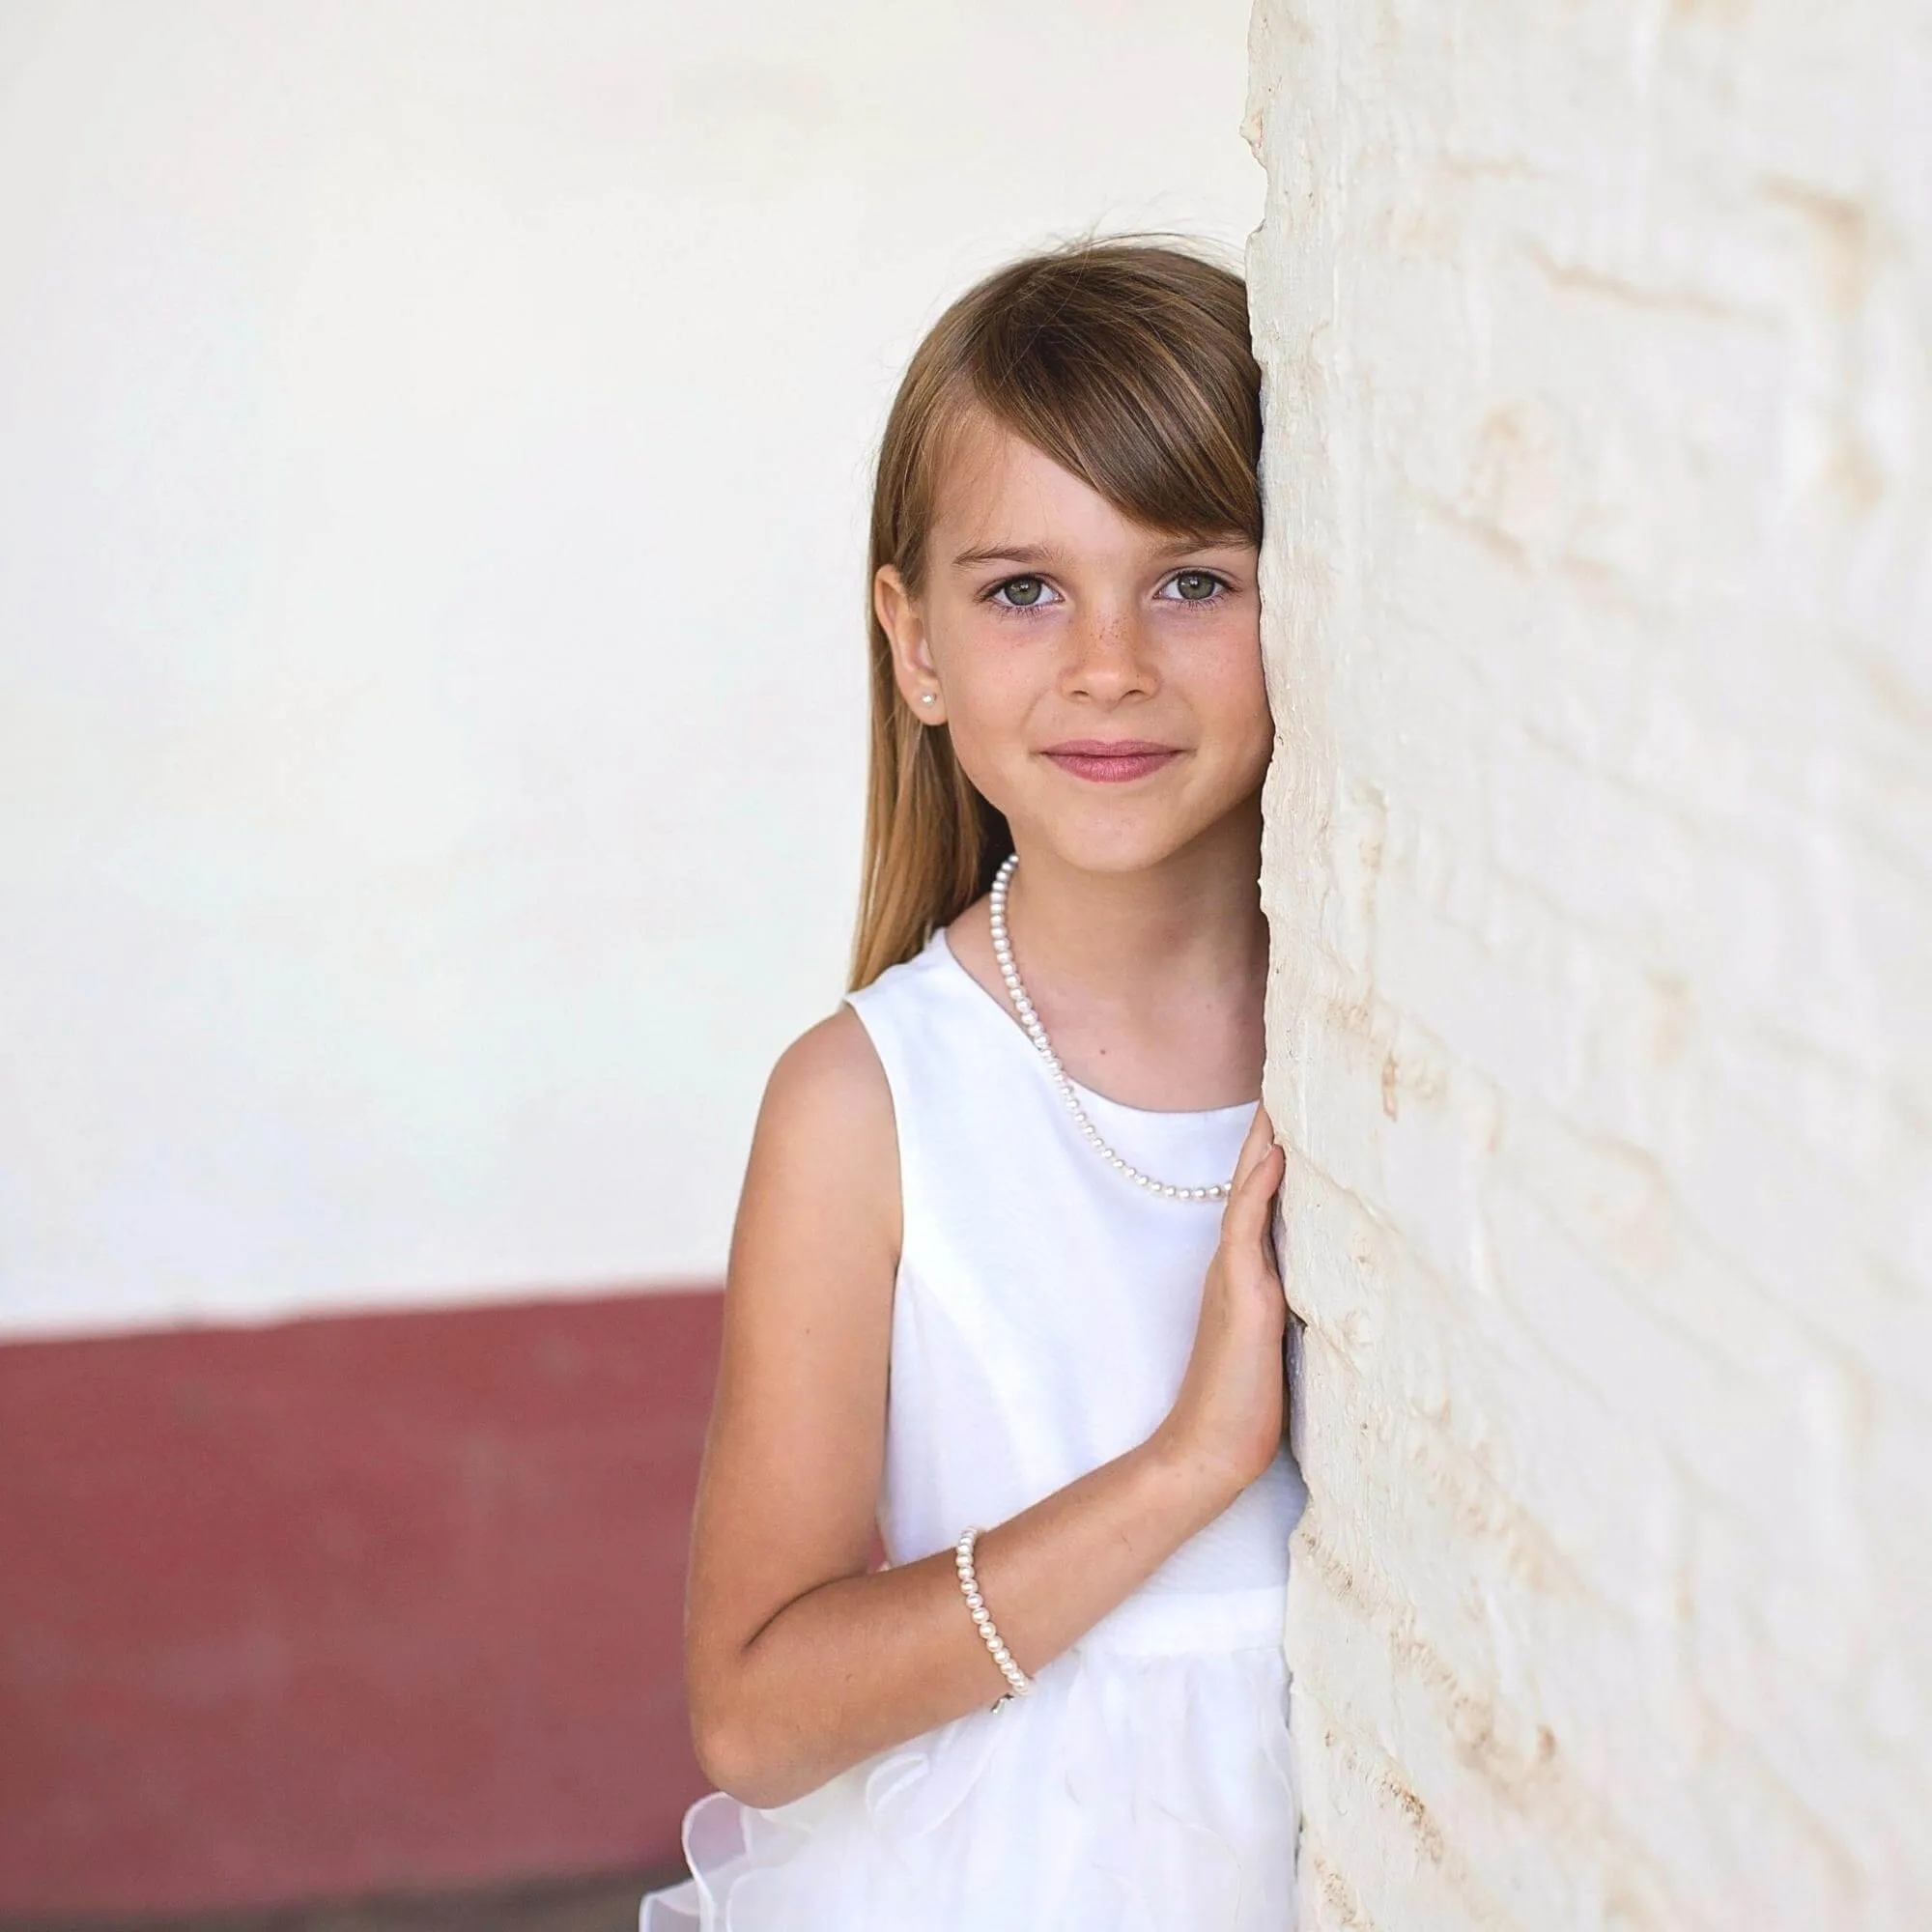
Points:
(433, 447)
(1598, 590)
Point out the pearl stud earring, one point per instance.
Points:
(925, 698)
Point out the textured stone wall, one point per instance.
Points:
(1599, 352)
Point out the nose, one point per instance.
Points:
(1108, 658)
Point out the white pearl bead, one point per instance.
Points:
(1036, 1031)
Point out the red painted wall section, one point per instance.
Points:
(372, 1603)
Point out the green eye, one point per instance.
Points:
(1194, 587)
(1024, 592)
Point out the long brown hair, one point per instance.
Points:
(1129, 363)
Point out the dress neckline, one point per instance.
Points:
(1010, 1025)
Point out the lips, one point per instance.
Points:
(1110, 761)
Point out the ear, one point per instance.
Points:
(913, 669)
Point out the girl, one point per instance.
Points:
(1001, 1277)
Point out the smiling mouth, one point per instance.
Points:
(1102, 762)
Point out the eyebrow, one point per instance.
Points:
(1189, 540)
(1004, 553)
(1029, 554)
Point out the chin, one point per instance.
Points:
(1113, 845)
(1120, 830)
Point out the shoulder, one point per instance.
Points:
(830, 1072)
(825, 1133)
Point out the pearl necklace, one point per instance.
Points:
(1003, 952)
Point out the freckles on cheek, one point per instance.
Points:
(1237, 722)
(988, 693)
(1236, 696)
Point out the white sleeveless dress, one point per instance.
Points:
(1043, 1313)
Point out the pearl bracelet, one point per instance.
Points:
(969, 1585)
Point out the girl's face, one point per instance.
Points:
(1102, 681)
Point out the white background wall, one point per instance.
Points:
(1599, 598)
(432, 451)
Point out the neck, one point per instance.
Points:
(1151, 983)
(1188, 924)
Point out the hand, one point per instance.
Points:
(1227, 1420)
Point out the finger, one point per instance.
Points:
(1266, 1175)
(1245, 1218)
(1255, 1145)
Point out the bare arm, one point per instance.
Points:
(800, 1663)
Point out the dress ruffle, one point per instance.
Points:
(1130, 1792)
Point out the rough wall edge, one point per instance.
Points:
(1299, 496)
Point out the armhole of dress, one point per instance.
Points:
(880, 1031)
